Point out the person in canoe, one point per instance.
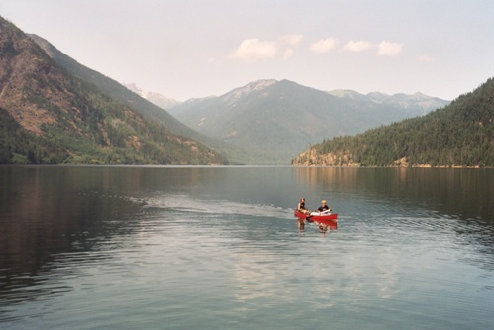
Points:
(301, 206)
(324, 208)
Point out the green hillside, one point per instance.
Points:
(118, 92)
(460, 134)
(49, 116)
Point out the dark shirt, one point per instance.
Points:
(323, 208)
(302, 206)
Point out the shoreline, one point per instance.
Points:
(395, 166)
(246, 166)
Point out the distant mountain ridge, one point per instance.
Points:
(460, 134)
(273, 120)
(405, 101)
(156, 98)
(49, 115)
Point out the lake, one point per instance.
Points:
(218, 248)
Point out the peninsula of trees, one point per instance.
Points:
(460, 134)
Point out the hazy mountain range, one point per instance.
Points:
(270, 120)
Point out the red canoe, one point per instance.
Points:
(317, 218)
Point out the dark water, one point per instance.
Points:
(209, 248)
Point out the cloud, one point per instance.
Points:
(324, 45)
(389, 48)
(290, 40)
(357, 46)
(255, 49)
(425, 58)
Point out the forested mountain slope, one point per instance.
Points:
(49, 116)
(117, 91)
(460, 134)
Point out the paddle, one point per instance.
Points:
(328, 211)
(320, 213)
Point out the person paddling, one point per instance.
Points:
(301, 206)
(324, 208)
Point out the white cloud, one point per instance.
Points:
(291, 40)
(324, 45)
(255, 49)
(357, 46)
(425, 58)
(389, 48)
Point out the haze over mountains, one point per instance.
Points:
(272, 120)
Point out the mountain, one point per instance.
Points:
(411, 104)
(460, 134)
(48, 115)
(118, 92)
(273, 120)
(124, 95)
(156, 98)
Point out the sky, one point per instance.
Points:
(196, 48)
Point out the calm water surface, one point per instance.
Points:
(218, 248)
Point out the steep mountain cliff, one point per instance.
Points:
(49, 116)
(460, 134)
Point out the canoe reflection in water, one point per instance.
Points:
(325, 225)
